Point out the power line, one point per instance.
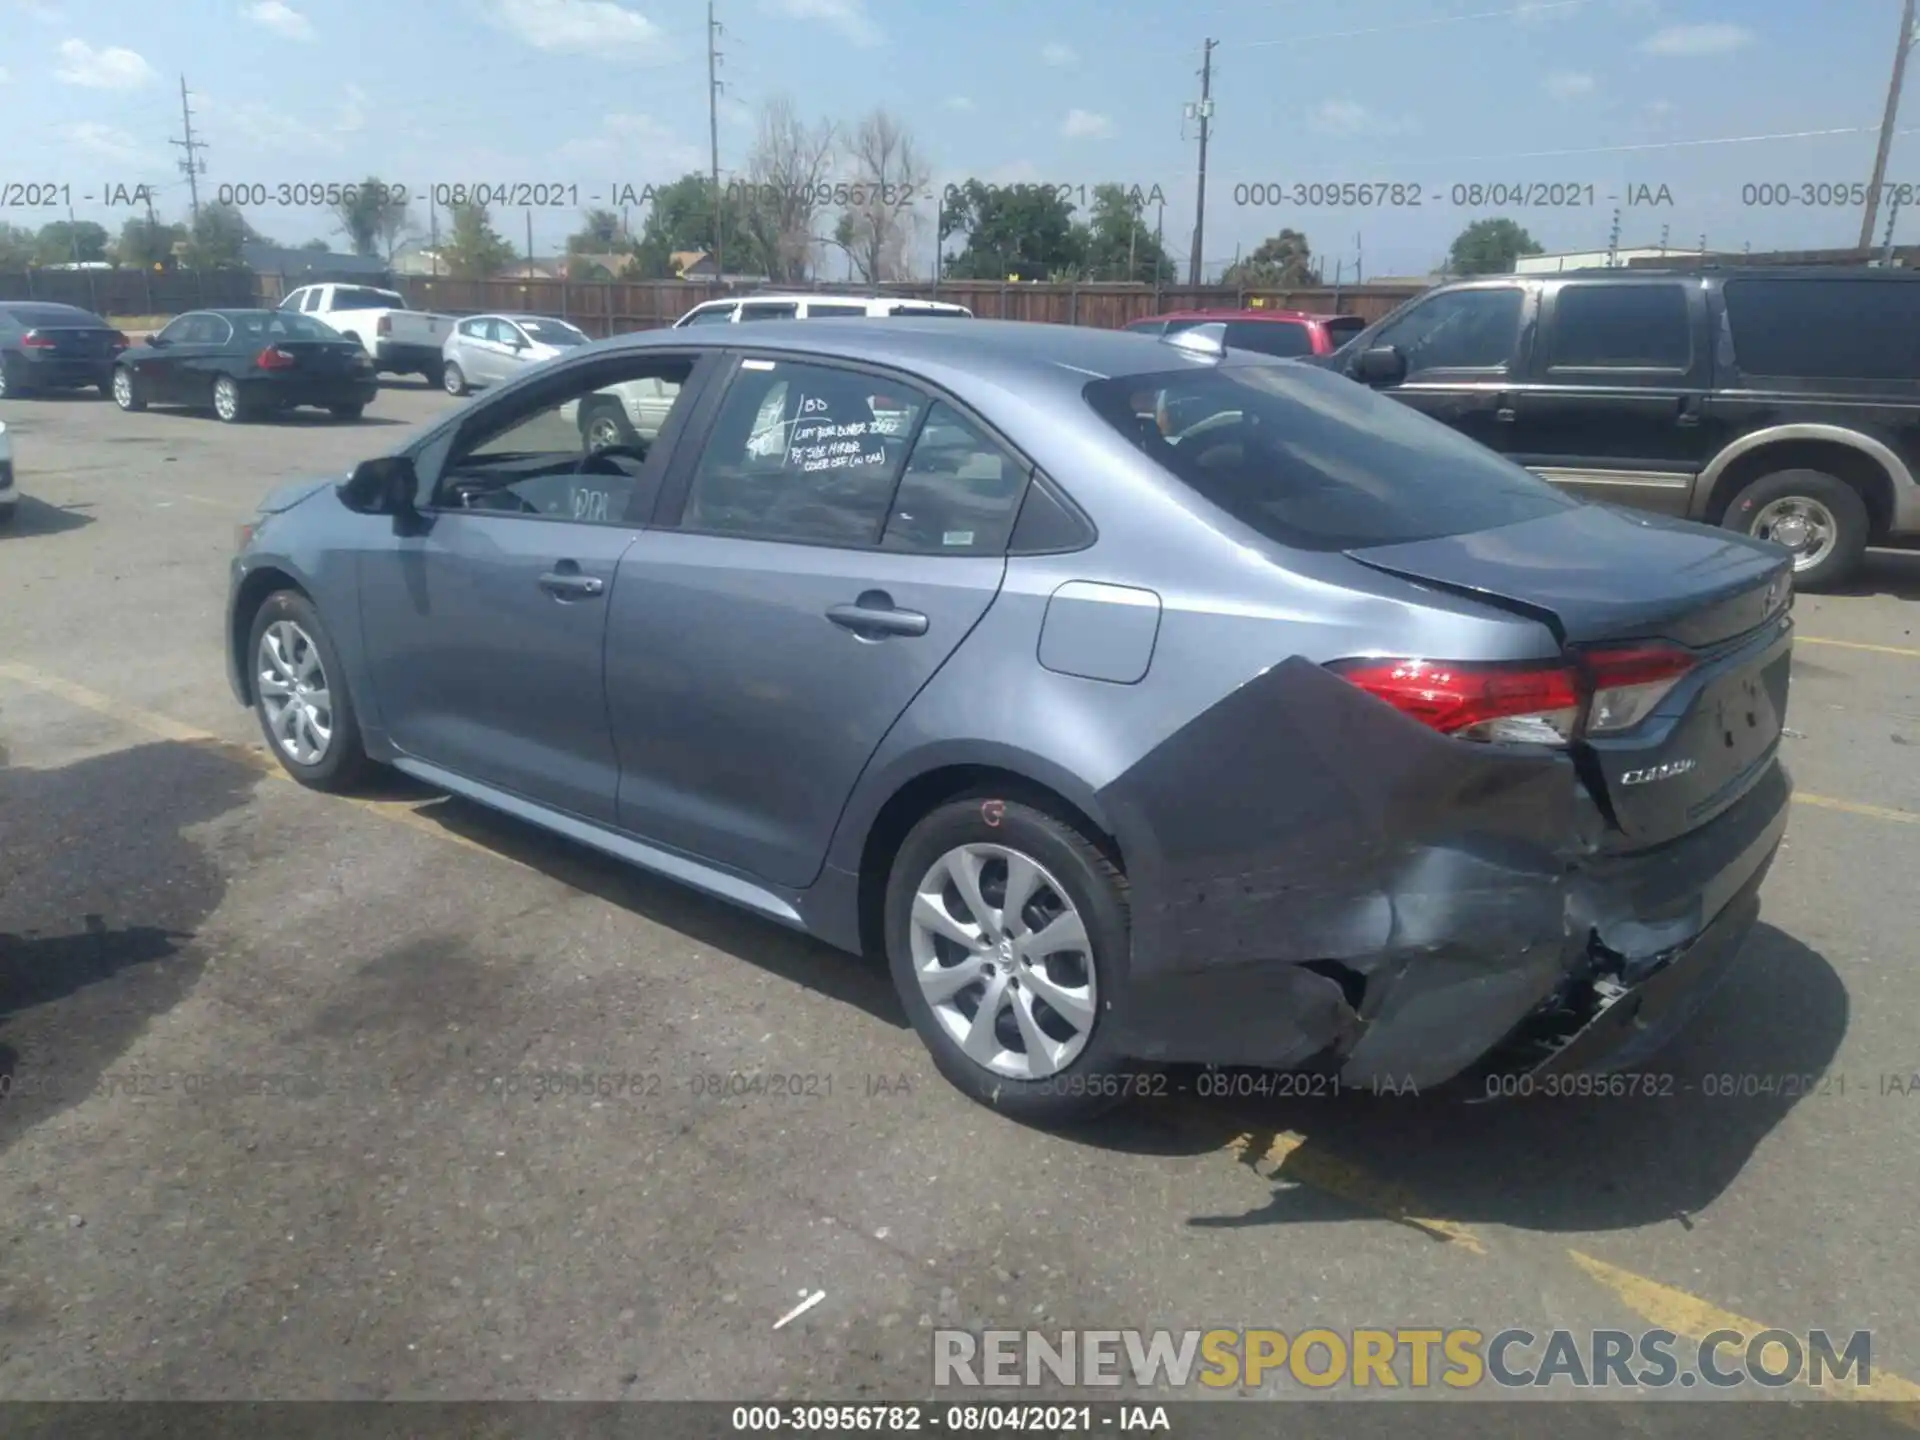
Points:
(192, 166)
(1416, 24)
(1204, 110)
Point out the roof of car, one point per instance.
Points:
(805, 297)
(1292, 316)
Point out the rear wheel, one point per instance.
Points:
(128, 393)
(346, 412)
(1007, 933)
(300, 695)
(452, 380)
(11, 387)
(1818, 517)
(228, 403)
(603, 423)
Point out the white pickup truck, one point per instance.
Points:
(402, 341)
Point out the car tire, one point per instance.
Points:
(603, 423)
(1070, 873)
(11, 387)
(435, 374)
(7, 512)
(230, 405)
(452, 379)
(346, 412)
(339, 764)
(128, 392)
(1822, 507)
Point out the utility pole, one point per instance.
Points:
(530, 242)
(1359, 259)
(1886, 124)
(1613, 241)
(1204, 111)
(714, 87)
(192, 165)
(1893, 216)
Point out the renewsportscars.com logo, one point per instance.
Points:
(1413, 1358)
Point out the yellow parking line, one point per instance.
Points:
(1854, 807)
(1688, 1315)
(254, 757)
(1856, 645)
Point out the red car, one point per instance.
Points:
(1286, 333)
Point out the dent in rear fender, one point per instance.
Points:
(1299, 820)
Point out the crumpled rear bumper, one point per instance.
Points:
(1317, 879)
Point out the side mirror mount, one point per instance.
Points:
(386, 486)
(1380, 365)
(158, 342)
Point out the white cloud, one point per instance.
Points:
(1660, 109)
(108, 143)
(272, 129)
(36, 9)
(849, 17)
(1716, 38)
(1568, 85)
(1061, 57)
(1086, 125)
(660, 151)
(281, 18)
(109, 69)
(577, 27)
(352, 114)
(1351, 118)
(959, 102)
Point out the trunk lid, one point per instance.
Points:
(322, 357)
(77, 342)
(1599, 577)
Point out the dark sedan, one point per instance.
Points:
(54, 347)
(243, 364)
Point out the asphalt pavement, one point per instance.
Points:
(272, 1128)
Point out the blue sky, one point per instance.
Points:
(589, 92)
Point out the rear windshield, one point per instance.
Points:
(1284, 338)
(1311, 459)
(66, 316)
(1826, 329)
(1345, 327)
(355, 297)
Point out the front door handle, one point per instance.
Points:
(873, 615)
(571, 584)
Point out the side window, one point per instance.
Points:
(311, 304)
(803, 452)
(293, 301)
(1459, 330)
(1269, 337)
(473, 329)
(820, 310)
(718, 315)
(1631, 327)
(177, 332)
(569, 451)
(960, 493)
(773, 310)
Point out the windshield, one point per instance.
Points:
(1314, 461)
(355, 297)
(551, 332)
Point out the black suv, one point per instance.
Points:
(1784, 403)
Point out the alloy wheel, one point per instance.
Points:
(452, 380)
(1004, 960)
(292, 686)
(603, 430)
(123, 389)
(1802, 525)
(226, 398)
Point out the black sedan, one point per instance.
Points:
(246, 363)
(54, 347)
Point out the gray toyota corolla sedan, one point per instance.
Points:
(1142, 703)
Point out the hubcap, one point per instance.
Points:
(1802, 525)
(122, 388)
(1004, 960)
(452, 379)
(602, 432)
(226, 399)
(292, 686)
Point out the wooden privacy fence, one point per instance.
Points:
(614, 307)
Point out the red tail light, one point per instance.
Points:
(1628, 682)
(385, 327)
(1534, 701)
(34, 340)
(119, 341)
(274, 358)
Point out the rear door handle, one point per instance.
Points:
(571, 584)
(1689, 411)
(1503, 409)
(866, 617)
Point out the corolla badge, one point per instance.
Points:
(1656, 772)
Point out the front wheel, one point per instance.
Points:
(300, 695)
(128, 393)
(1818, 517)
(1007, 935)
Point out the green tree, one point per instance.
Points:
(600, 233)
(680, 217)
(16, 247)
(215, 238)
(1117, 242)
(1280, 262)
(146, 243)
(65, 241)
(474, 249)
(317, 246)
(1023, 230)
(1490, 247)
(373, 216)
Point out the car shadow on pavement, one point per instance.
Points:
(1894, 573)
(1762, 1045)
(37, 517)
(100, 898)
(775, 949)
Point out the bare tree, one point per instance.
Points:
(881, 222)
(787, 182)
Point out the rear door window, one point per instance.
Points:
(1307, 458)
(717, 315)
(1620, 327)
(1826, 329)
(770, 310)
(960, 493)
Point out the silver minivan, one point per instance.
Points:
(816, 307)
(487, 349)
